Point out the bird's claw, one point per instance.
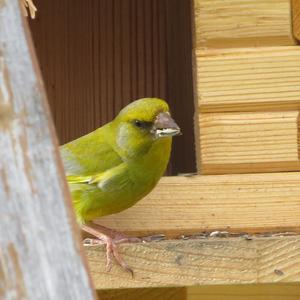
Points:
(154, 238)
(109, 255)
(124, 239)
(93, 242)
(112, 252)
(120, 260)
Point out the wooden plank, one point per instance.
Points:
(235, 23)
(248, 79)
(184, 205)
(40, 250)
(296, 18)
(245, 292)
(249, 142)
(201, 262)
(144, 293)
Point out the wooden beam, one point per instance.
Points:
(296, 18)
(185, 205)
(200, 262)
(276, 291)
(235, 23)
(40, 250)
(174, 293)
(248, 79)
(249, 142)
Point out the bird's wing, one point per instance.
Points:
(110, 180)
(89, 154)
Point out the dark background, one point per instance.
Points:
(98, 55)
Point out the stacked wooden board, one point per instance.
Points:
(247, 82)
(233, 23)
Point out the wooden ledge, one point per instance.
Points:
(200, 262)
(239, 202)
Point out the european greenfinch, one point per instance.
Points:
(111, 168)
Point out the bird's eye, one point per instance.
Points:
(138, 123)
(142, 124)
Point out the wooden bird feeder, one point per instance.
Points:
(230, 71)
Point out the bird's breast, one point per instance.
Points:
(148, 169)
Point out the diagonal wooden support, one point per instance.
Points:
(40, 252)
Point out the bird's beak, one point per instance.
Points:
(165, 126)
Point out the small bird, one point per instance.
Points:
(111, 168)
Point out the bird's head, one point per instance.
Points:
(142, 123)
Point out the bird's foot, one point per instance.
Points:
(110, 238)
(111, 252)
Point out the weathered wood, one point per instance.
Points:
(40, 251)
(248, 79)
(249, 142)
(296, 18)
(235, 23)
(145, 294)
(245, 292)
(200, 262)
(245, 202)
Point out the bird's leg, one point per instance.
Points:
(117, 236)
(111, 238)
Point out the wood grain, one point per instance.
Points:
(248, 79)
(276, 291)
(296, 18)
(234, 23)
(180, 83)
(201, 262)
(40, 251)
(184, 205)
(119, 51)
(172, 293)
(249, 142)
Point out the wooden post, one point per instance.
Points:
(296, 18)
(40, 252)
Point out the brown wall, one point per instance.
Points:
(98, 55)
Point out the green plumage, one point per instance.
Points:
(113, 167)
